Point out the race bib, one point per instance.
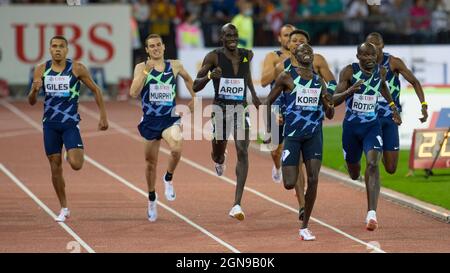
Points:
(308, 98)
(160, 94)
(231, 89)
(57, 86)
(364, 104)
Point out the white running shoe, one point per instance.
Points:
(306, 235)
(63, 214)
(152, 212)
(371, 220)
(276, 175)
(236, 212)
(220, 168)
(169, 191)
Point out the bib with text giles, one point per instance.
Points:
(231, 88)
(364, 104)
(161, 94)
(57, 86)
(308, 98)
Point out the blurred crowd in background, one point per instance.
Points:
(196, 23)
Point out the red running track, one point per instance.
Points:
(108, 202)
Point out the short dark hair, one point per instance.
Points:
(59, 37)
(288, 25)
(376, 35)
(152, 36)
(227, 25)
(301, 32)
(365, 45)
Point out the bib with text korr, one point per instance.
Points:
(364, 104)
(161, 94)
(231, 88)
(57, 86)
(308, 98)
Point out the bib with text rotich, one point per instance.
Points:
(57, 86)
(231, 88)
(308, 98)
(364, 104)
(161, 94)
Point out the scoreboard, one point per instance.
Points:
(426, 144)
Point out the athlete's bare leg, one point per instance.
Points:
(390, 161)
(312, 169)
(57, 178)
(76, 158)
(151, 160)
(174, 140)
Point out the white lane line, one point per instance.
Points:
(16, 133)
(390, 195)
(98, 133)
(176, 213)
(230, 181)
(22, 115)
(45, 208)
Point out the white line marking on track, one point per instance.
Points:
(22, 115)
(230, 181)
(16, 133)
(45, 208)
(176, 213)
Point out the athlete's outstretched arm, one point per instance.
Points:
(327, 100)
(279, 68)
(325, 73)
(37, 83)
(188, 82)
(255, 98)
(323, 68)
(205, 73)
(398, 65)
(387, 95)
(384, 89)
(83, 74)
(343, 89)
(268, 73)
(141, 71)
(279, 86)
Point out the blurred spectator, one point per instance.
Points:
(224, 9)
(189, 34)
(399, 14)
(191, 6)
(328, 20)
(162, 15)
(244, 24)
(286, 8)
(354, 22)
(420, 21)
(262, 22)
(446, 4)
(439, 17)
(162, 12)
(141, 12)
(303, 16)
(136, 44)
(420, 16)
